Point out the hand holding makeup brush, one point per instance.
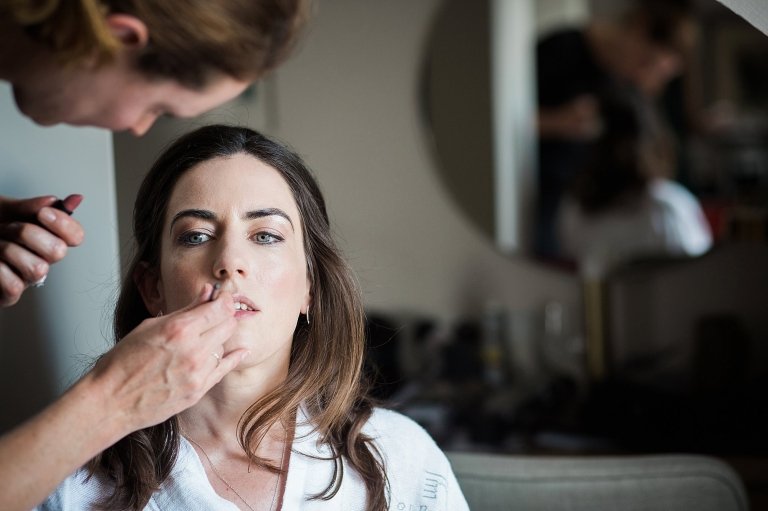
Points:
(34, 234)
(167, 363)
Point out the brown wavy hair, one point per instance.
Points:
(634, 148)
(325, 370)
(189, 40)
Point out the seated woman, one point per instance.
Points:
(291, 427)
(623, 205)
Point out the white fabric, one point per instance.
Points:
(667, 221)
(420, 476)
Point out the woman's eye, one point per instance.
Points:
(266, 238)
(193, 238)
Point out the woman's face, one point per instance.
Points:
(648, 65)
(234, 221)
(115, 96)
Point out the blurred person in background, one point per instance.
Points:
(643, 48)
(623, 204)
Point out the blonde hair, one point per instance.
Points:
(189, 41)
(73, 29)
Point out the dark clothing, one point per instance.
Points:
(566, 69)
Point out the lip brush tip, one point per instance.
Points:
(213, 295)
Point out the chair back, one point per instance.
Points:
(618, 483)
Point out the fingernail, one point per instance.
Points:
(58, 249)
(47, 215)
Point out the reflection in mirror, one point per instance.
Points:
(675, 349)
(651, 126)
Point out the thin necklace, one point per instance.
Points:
(213, 467)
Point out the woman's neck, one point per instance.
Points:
(218, 413)
(605, 42)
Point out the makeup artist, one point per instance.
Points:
(120, 64)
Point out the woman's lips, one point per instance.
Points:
(244, 306)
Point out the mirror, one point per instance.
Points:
(479, 97)
(479, 64)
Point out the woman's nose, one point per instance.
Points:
(231, 260)
(143, 124)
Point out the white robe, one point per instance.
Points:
(420, 476)
(668, 221)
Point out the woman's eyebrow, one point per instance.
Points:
(194, 213)
(204, 214)
(260, 213)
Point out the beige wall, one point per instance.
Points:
(553, 14)
(348, 102)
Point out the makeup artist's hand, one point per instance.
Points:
(577, 120)
(33, 235)
(166, 364)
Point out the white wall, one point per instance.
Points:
(513, 46)
(48, 338)
(347, 101)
